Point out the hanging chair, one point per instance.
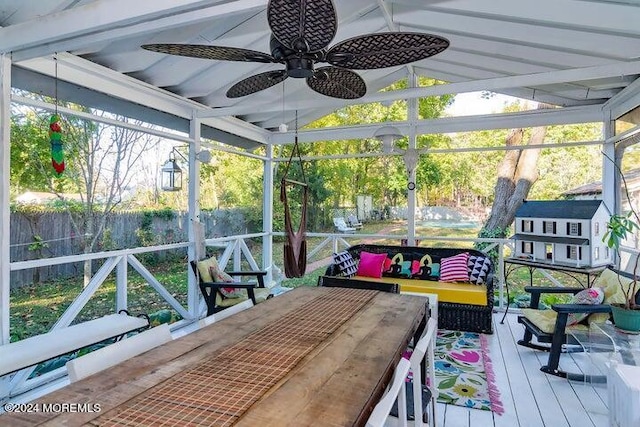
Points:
(295, 246)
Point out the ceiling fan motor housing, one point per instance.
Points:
(300, 68)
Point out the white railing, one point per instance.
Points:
(629, 258)
(234, 249)
(119, 260)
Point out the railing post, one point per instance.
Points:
(194, 214)
(121, 284)
(267, 214)
(5, 155)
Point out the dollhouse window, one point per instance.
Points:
(574, 229)
(527, 248)
(596, 253)
(574, 252)
(527, 226)
(549, 227)
(596, 228)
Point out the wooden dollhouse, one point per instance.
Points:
(567, 232)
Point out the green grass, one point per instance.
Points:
(35, 308)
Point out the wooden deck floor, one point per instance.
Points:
(530, 397)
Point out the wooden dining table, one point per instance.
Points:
(313, 356)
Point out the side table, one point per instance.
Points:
(604, 344)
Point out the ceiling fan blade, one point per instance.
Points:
(256, 83)
(337, 83)
(220, 53)
(303, 25)
(382, 50)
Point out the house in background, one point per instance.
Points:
(567, 232)
(593, 190)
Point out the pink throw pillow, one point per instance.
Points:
(454, 268)
(371, 264)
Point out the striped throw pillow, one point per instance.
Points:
(454, 268)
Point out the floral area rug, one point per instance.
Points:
(464, 374)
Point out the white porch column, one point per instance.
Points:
(610, 179)
(267, 214)
(194, 213)
(5, 125)
(412, 117)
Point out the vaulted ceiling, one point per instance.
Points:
(570, 53)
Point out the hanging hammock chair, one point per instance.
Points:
(295, 246)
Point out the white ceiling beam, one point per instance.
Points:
(625, 100)
(495, 84)
(605, 18)
(93, 76)
(545, 117)
(618, 46)
(109, 20)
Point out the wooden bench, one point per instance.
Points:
(40, 348)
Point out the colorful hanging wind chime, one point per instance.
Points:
(55, 133)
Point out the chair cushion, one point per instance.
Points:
(613, 292)
(545, 320)
(203, 268)
(210, 271)
(371, 264)
(459, 293)
(455, 268)
(228, 302)
(345, 263)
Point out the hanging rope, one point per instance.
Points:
(55, 131)
(295, 246)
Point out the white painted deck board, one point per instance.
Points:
(530, 397)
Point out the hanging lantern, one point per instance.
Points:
(171, 175)
(55, 136)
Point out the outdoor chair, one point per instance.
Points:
(120, 351)
(220, 291)
(423, 381)
(354, 222)
(551, 327)
(397, 390)
(342, 226)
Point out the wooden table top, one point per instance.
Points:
(312, 356)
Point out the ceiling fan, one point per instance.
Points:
(301, 32)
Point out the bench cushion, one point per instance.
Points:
(31, 351)
(460, 293)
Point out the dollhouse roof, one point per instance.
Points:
(569, 209)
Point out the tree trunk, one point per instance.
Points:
(516, 175)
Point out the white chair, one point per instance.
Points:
(120, 351)
(397, 390)
(353, 222)
(342, 226)
(225, 313)
(425, 347)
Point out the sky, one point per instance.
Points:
(466, 104)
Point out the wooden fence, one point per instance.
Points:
(50, 234)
